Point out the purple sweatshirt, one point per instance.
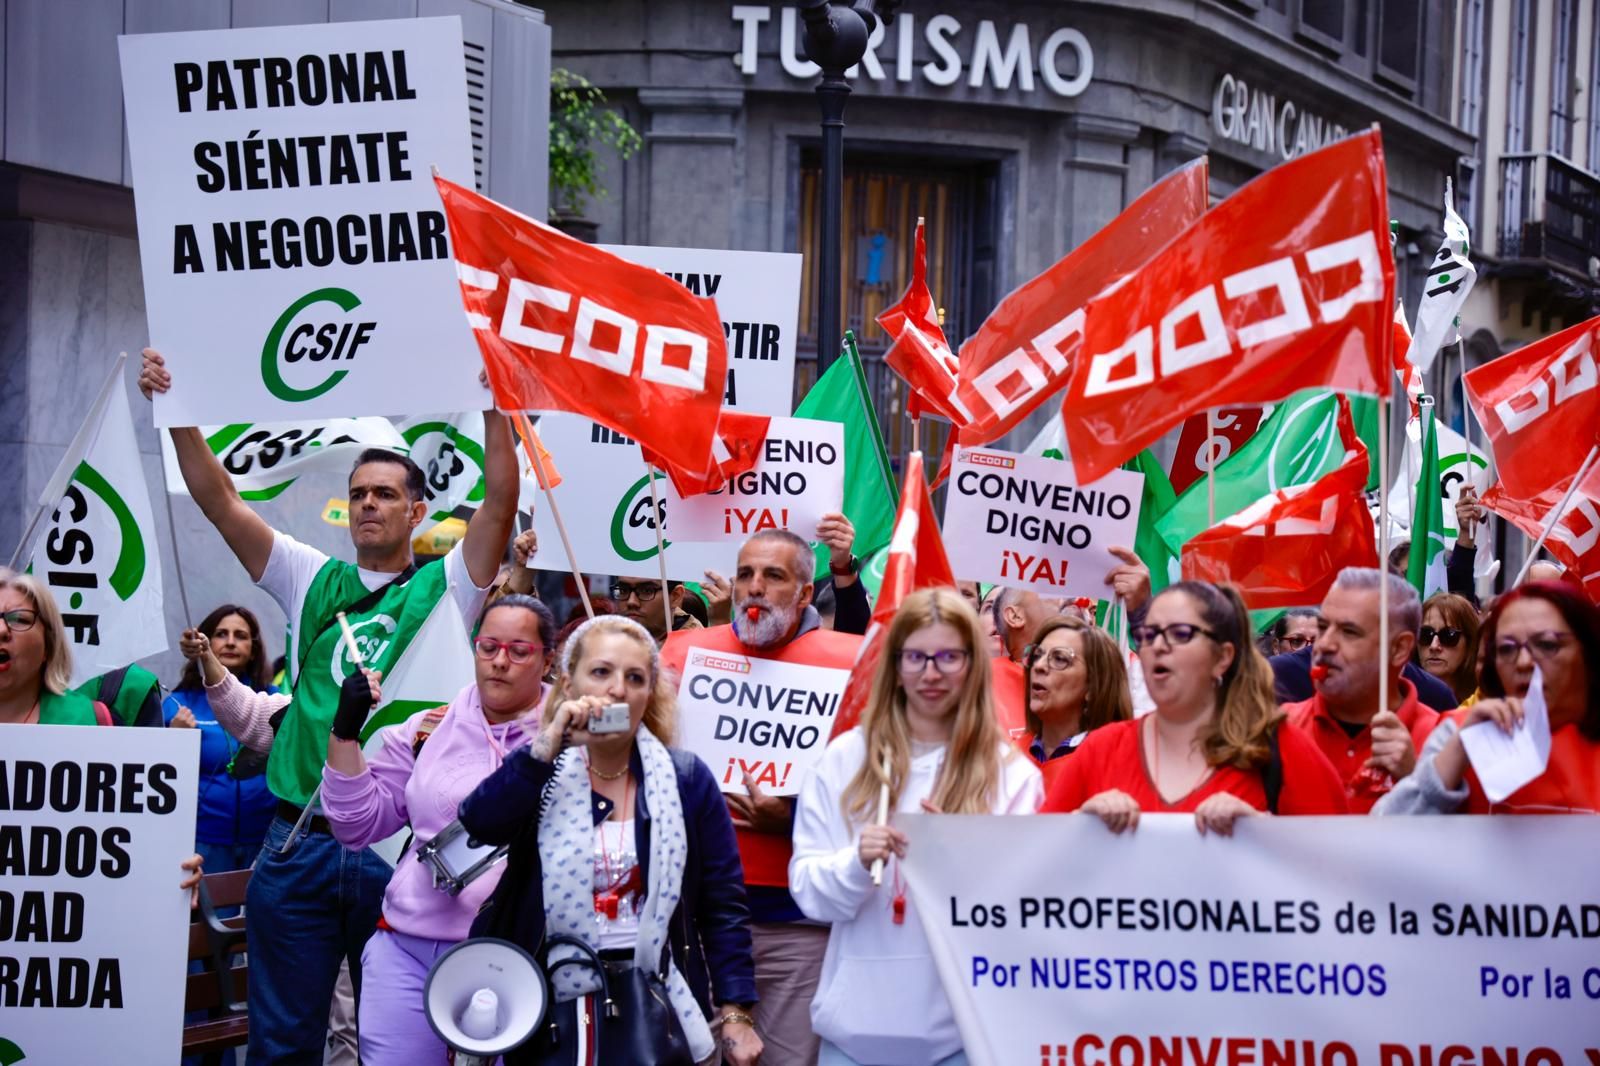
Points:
(423, 790)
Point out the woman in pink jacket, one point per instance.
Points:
(425, 767)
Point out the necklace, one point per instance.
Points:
(601, 774)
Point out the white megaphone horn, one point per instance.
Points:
(484, 997)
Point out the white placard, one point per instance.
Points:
(1336, 941)
(744, 715)
(758, 300)
(94, 931)
(1023, 521)
(295, 254)
(798, 479)
(1505, 762)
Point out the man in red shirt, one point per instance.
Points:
(1371, 748)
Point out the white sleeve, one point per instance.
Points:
(463, 590)
(1021, 783)
(826, 877)
(288, 574)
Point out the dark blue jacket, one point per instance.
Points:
(710, 931)
(231, 811)
(1291, 673)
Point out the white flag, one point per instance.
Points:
(1454, 468)
(99, 554)
(265, 458)
(1450, 278)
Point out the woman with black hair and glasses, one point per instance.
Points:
(1544, 625)
(1215, 745)
(1447, 644)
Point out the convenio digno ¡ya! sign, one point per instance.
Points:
(975, 54)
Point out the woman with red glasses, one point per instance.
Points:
(1545, 625)
(1447, 643)
(421, 771)
(1215, 745)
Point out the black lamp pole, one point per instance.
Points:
(836, 35)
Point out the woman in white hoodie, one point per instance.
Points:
(930, 714)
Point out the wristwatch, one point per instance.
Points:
(850, 570)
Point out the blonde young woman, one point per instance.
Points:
(879, 1001)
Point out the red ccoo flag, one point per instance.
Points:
(735, 449)
(1575, 538)
(916, 560)
(1540, 406)
(1286, 549)
(1288, 284)
(563, 325)
(920, 353)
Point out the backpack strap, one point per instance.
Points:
(430, 722)
(111, 684)
(1272, 773)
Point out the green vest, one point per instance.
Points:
(69, 708)
(136, 685)
(383, 632)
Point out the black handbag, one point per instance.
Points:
(634, 1023)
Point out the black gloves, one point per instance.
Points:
(355, 703)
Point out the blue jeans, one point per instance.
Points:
(307, 910)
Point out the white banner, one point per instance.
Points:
(758, 300)
(1023, 521)
(94, 931)
(264, 459)
(99, 553)
(798, 479)
(295, 255)
(1298, 942)
(744, 715)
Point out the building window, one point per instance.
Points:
(1399, 39)
(1322, 21)
(1517, 102)
(1563, 90)
(1469, 114)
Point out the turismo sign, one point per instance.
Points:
(296, 259)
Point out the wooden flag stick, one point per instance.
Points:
(661, 545)
(916, 431)
(1383, 549)
(555, 512)
(1555, 516)
(177, 556)
(883, 814)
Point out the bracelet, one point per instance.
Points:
(737, 1017)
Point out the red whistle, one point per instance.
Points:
(900, 909)
(753, 613)
(1318, 672)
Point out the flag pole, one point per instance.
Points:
(869, 416)
(883, 813)
(177, 556)
(555, 512)
(1211, 468)
(1383, 548)
(1555, 515)
(661, 545)
(76, 450)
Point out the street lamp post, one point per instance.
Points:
(836, 35)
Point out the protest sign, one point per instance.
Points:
(1023, 521)
(1297, 942)
(758, 300)
(798, 478)
(295, 256)
(93, 927)
(99, 555)
(769, 719)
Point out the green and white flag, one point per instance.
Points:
(1457, 467)
(1450, 277)
(264, 459)
(1428, 544)
(99, 554)
(1295, 445)
(870, 496)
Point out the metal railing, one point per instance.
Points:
(1549, 209)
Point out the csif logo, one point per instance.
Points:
(373, 637)
(452, 465)
(94, 544)
(633, 528)
(320, 337)
(10, 1053)
(1308, 444)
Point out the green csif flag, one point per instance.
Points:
(870, 497)
(1425, 570)
(1298, 443)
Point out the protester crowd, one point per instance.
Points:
(772, 929)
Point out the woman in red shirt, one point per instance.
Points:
(1215, 745)
(1545, 624)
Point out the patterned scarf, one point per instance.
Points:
(566, 853)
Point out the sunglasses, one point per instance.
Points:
(1449, 636)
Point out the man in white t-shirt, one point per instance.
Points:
(312, 903)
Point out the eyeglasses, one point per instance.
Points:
(946, 661)
(1055, 660)
(1449, 636)
(1541, 646)
(1295, 643)
(1177, 633)
(519, 651)
(20, 620)
(645, 593)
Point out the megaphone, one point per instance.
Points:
(484, 997)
